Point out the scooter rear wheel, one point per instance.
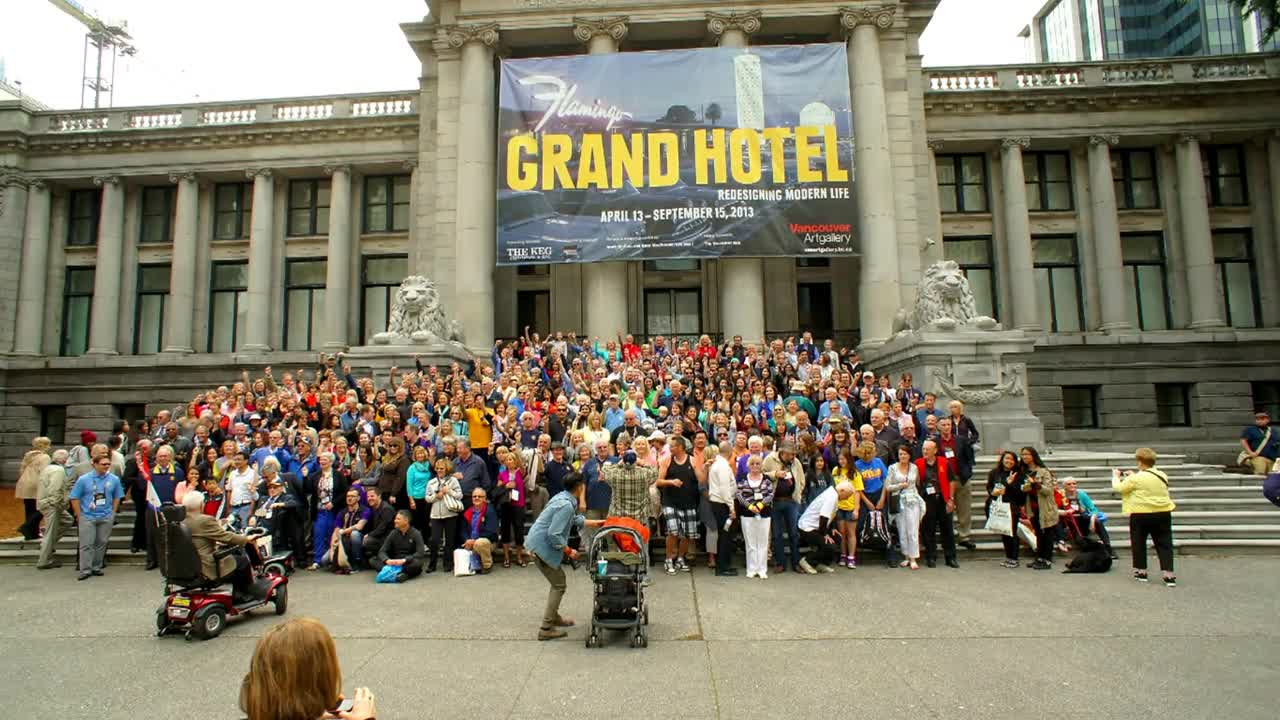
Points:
(281, 599)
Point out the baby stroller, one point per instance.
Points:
(193, 604)
(618, 583)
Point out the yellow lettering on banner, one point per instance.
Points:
(805, 153)
(713, 153)
(835, 172)
(593, 170)
(557, 151)
(628, 159)
(749, 139)
(777, 138)
(664, 163)
(521, 174)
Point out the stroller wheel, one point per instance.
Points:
(162, 622)
(644, 640)
(635, 641)
(593, 641)
(646, 614)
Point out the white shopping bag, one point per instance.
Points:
(1000, 520)
(462, 563)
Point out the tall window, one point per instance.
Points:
(1266, 397)
(533, 310)
(380, 275)
(1224, 175)
(228, 306)
(303, 303)
(1173, 404)
(1057, 268)
(673, 312)
(1080, 407)
(157, 215)
(962, 183)
(82, 223)
(53, 423)
(1048, 177)
(813, 306)
(232, 210)
(153, 294)
(1237, 276)
(1144, 277)
(386, 203)
(1134, 172)
(308, 207)
(77, 301)
(973, 255)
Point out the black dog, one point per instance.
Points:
(1091, 557)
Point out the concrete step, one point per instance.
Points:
(68, 557)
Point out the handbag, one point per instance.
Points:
(1243, 457)
(452, 504)
(1000, 519)
(462, 562)
(875, 530)
(388, 574)
(340, 554)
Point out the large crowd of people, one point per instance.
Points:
(792, 447)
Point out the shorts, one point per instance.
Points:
(681, 523)
(845, 515)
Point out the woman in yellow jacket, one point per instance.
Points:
(1145, 499)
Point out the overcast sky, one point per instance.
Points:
(243, 49)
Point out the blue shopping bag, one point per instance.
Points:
(388, 574)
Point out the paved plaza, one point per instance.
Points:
(981, 642)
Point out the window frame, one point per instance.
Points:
(1124, 158)
(957, 188)
(289, 287)
(523, 297)
(1250, 262)
(1095, 416)
(242, 209)
(1131, 266)
(1269, 405)
(1042, 185)
(1184, 391)
(1053, 299)
(313, 229)
(365, 285)
(67, 296)
(671, 293)
(94, 217)
(1212, 178)
(139, 294)
(214, 291)
(989, 266)
(170, 194)
(390, 204)
(47, 423)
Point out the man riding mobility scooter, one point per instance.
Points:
(196, 599)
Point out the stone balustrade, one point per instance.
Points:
(1103, 74)
(166, 117)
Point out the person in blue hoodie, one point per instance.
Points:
(549, 542)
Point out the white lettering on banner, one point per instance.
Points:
(563, 103)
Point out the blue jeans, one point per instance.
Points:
(321, 534)
(786, 517)
(354, 545)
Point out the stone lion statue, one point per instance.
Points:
(944, 301)
(416, 316)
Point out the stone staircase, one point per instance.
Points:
(1218, 512)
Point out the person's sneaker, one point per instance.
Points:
(1171, 582)
(851, 563)
(551, 634)
(683, 566)
(1041, 565)
(951, 563)
(83, 576)
(1010, 563)
(401, 577)
(807, 568)
(826, 569)
(97, 573)
(564, 622)
(50, 566)
(967, 544)
(671, 567)
(1140, 576)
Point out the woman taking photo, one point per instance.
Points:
(902, 480)
(755, 508)
(847, 509)
(1004, 484)
(1041, 507)
(1145, 499)
(294, 675)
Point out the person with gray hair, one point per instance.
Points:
(207, 534)
(722, 488)
(52, 499)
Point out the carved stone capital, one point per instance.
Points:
(878, 16)
(747, 22)
(37, 184)
(586, 28)
(936, 145)
(331, 168)
(1108, 140)
(178, 176)
(410, 165)
(12, 177)
(1187, 136)
(102, 180)
(458, 35)
(253, 173)
(1021, 143)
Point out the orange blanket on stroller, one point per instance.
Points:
(625, 542)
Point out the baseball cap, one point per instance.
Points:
(869, 374)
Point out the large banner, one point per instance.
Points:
(701, 153)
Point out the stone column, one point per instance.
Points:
(337, 290)
(182, 269)
(1273, 165)
(934, 250)
(604, 284)
(257, 331)
(742, 295)
(1017, 232)
(477, 183)
(104, 319)
(1197, 238)
(1106, 236)
(878, 297)
(34, 272)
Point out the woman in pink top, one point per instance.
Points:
(510, 495)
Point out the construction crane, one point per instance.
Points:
(103, 44)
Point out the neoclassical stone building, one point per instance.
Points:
(1125, 213)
